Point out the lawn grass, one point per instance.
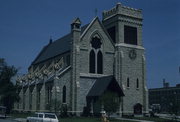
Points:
(20, 115)
(75, 119)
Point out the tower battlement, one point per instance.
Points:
(123, 10)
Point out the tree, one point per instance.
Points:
(110, 101)
(58, 107)
(55, 105)
(8, 92)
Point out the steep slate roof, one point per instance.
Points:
(63, 44)
(105, 83)
(60, 46)
(55, 48)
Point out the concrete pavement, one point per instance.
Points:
(135, 120)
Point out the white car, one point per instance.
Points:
(43, 117)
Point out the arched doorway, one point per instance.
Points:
(138, 108)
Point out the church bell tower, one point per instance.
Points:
(124, 25)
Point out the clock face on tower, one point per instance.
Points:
(132, 54)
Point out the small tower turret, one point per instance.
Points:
(76, 24)
(76, 33)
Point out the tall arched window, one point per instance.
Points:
(96, 56)
(64, 94)
(137, 83)
(99, 63)
(127, 82)
(92, 62)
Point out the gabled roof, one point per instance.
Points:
(60, 46)
(102, 26)
(63, 44)
(56, 48)
(105, 83)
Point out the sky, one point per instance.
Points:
(27, 25)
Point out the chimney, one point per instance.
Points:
(165, 84)
(164, 81)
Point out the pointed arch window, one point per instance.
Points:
(92, 62)
(96, 56)
(137, 83)
(64, 94)
(99, 63)
(128, 82)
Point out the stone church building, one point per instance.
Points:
(77, 69)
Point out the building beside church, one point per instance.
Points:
(80, 67)
(165, 99)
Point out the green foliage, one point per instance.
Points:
(64, 110)
(54, 106)
(86, 111)
(110, 100)
(8, 94)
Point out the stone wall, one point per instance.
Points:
(107, 48)
(132, 69)
(64, 80)
(85, 85)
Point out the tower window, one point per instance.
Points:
(128, 82)
(130, 35)
(137, 83)
(112, 33)
(64, 94)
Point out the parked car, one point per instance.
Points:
(43, 117)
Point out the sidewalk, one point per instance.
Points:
(135, 120)
(168, 116)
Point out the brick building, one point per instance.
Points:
(165, 99)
